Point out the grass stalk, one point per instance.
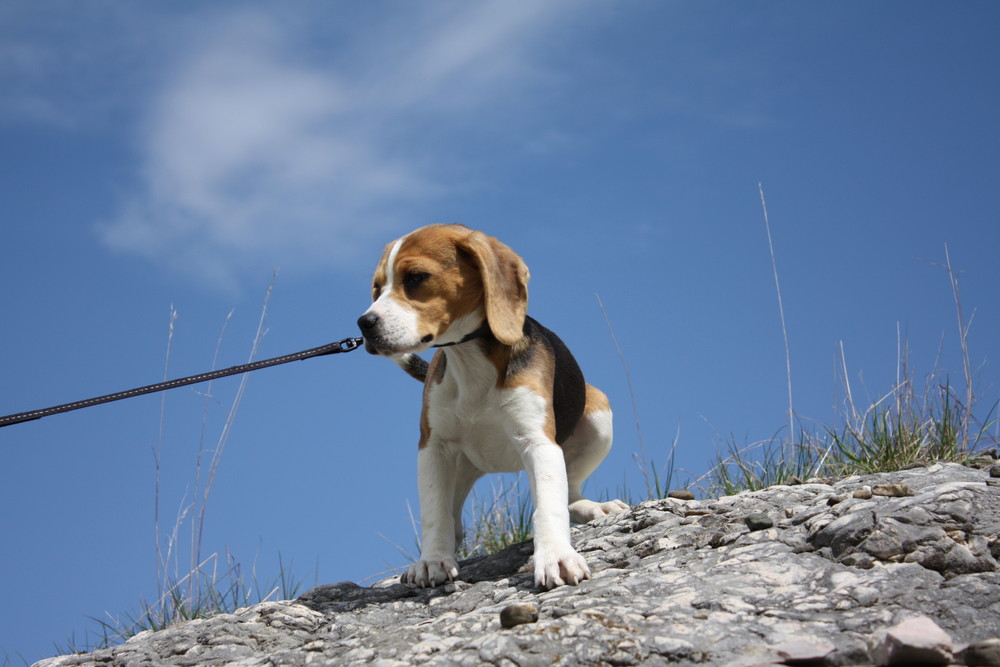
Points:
(157, 452)
(781, 312)
(216, 460)
(195, 552)
(642, 461)
(211, 584)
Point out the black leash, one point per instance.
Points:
(345, 345)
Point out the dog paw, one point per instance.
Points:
(430, 573)
(585, 510)
(558, 569)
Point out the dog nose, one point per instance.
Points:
(368, 323)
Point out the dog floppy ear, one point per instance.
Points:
(505, 286)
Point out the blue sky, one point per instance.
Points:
(166, 155)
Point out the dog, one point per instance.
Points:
(501, 394)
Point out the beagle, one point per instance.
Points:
(502, 393)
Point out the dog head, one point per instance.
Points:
(441, 283)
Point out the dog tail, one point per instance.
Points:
(414, 366)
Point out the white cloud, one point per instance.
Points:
(255, 152)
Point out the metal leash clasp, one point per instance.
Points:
(336, 347)
(349, 344)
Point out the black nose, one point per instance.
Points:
(368, 323)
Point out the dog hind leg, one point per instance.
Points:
(584, 451)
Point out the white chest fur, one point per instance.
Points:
(469, 415)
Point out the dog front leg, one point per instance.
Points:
(556, 562)
(436, 480)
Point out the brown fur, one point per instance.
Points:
(454, 287)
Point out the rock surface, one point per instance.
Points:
(674, 582)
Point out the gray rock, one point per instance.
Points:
(674, 582)
(984, 653)
(758, 521)
(804, 652)
(915, 641)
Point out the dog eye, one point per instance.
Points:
(414, 278)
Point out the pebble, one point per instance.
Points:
(892, 490)
(518, 614)
(758, 521)
(804, 652)
(681, 495)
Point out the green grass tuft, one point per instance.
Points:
(495, 523)
(218, 587)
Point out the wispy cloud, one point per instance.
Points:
(257, 150)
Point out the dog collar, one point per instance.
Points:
(478, 333)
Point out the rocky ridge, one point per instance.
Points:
(854, 571)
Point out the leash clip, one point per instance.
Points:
(349, 344)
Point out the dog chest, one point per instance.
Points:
(491, 427)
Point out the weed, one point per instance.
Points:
(901, 428)
(495, 523)
(203, 586)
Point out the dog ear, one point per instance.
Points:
(505, 286)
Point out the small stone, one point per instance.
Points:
(995, 470)
(667, 646)
(518, 614)
(864, 493)
(916, 641)
(985, 653)
(793, 481)
(981, 461)
(697, 512)
(681, 495)
(859, 560)
(758, 521)
(803, 652)
(892, 490)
